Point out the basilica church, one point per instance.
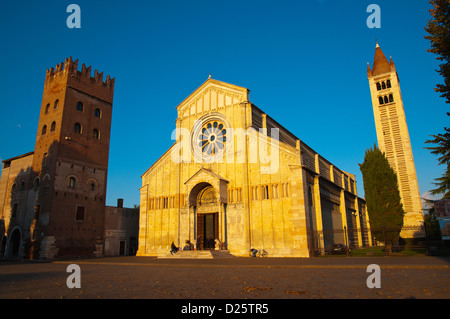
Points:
(236, 180)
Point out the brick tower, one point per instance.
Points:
(70, 161)
(393, 138)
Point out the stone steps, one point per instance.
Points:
(197, 254)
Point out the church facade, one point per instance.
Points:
(235, 179)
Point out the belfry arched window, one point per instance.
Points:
(80, 106)
(391, 98)
(53, 126)
(380, 99)
(378, 86)
(77, 128)
(386, 100)
(388, 84)
(44, 130)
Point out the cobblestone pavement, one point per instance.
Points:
(230, 278)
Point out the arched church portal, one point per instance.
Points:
(207, 209)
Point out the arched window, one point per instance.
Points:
(44, 130)
(388, 84)
(386, 99)
(72, 182)
(77, 128)
(13, 188)
(55, 106)
(383, 85)
(52, 127)
(36, 183)
(391, 98)
(378, 86)
(47, 107)
(92, 187)
(95, 134)
(380, 99)
(98, 113)
(80, 106)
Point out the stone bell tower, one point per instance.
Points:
(393, 138)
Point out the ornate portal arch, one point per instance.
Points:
(207, 197)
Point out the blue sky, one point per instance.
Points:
(305, 63)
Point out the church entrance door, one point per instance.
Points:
(207, 230)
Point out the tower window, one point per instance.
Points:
(80, 106)
(95, 134)
(380, 99)
(44, 129)
(92, 186)
(383, 85)
(391, 98)
(72, 182)
(378, 86)
(386, 100)
(55, 106)
(98, 113)
(80, 213)
(36, 184)
(52, 127)
(388, 84)
(47, 107)
(77, 128)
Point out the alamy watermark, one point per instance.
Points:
(374, 19)
(74, 19)
(74, 279)
(374, 280)
(237, 145)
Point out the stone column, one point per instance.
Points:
(299, 216)
(318, 212)
(358, 222)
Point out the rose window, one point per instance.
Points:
(212, 138)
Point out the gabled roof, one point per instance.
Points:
(238, 93)
(17, 157)
(208, 172)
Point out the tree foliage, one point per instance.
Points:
(382, 196)
(442, 149)
(438, 29)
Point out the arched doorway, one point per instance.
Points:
(203, 198)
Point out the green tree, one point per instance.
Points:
(438, 29)
(382, 197)
(442, 149)
(431, 223)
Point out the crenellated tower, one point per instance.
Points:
(393, 137)
(71, 158)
